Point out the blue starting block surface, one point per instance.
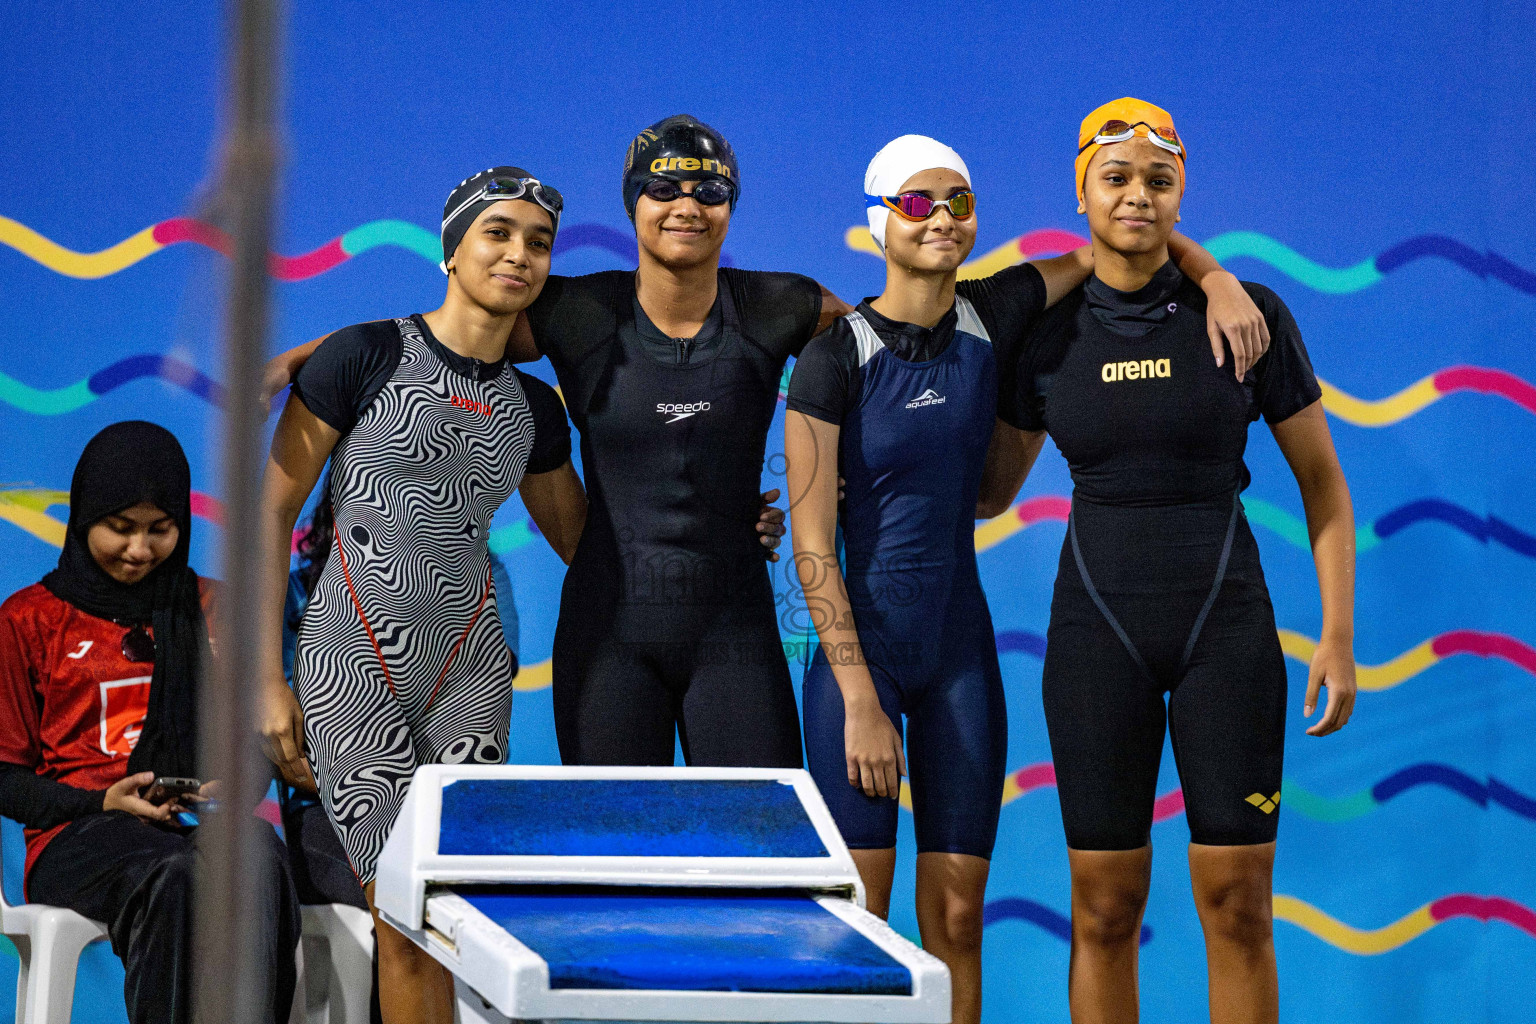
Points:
(680, 940)
(626, 818)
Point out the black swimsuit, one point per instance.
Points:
(667, 624)
(1159, 589)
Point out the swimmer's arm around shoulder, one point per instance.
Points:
(872, 747)
(1065, 272)
(1308, 447)
(281, 369)
(832, 309)
(300, 448)
(1010, 457)
(1230, 311)
(557, 503)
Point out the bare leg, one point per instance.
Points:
(878, 870)
(413, 987)
(951, 893)
(1235, 899)
(1109, 896)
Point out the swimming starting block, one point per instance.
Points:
(645, 894)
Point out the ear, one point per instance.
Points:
(1178, 217)
(1081, 207)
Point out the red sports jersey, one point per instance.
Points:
(71, 705)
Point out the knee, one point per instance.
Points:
(1238, 910)
(1107, 914)
(961, 920)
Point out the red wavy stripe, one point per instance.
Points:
(1035, 776)
(1048, 240)
(1485, 645)
(1487, 382)
(1169, 805)
(206, 506)
(1485, 908)
(284, 268)
(1047, 506)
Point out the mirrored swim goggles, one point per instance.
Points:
(915, 206)
(1124, 131)
(498, 189)
(708, 192)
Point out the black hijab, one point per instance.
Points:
(128, 463)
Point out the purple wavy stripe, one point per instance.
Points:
(1490, 529)
(1459, 782)
(167, 368)
(1018, 641)
(1489, 264)
(1014, 908)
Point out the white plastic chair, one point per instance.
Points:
(49, 941)
(338, 954)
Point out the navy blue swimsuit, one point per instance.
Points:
(917, 408)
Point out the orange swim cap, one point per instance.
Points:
(1131, 111)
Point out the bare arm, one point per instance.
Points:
(521, 348)
(1230, 311)
(873, 750)
(832, 308)
(557, 503)
(1065, 272)
(1010, 457)
(281, 369)
(1308, 447)
(300, 447)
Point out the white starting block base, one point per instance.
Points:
(657, 895)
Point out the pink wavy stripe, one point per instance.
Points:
(1169, 805)
(1485, 908)
(1485, 645)
(206, 506)
(1047, 506)
(1049, 240)
(284, 268)
(1487, 382)
(268, 811)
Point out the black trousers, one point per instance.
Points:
(138, 879)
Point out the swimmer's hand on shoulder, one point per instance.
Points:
(1333, 666)
(770, 524)
(1231, 313)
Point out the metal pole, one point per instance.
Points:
(230, 985)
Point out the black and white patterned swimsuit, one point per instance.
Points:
(400, 658)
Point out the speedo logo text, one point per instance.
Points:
(1136, 369)
(681, 410)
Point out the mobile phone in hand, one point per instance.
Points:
(170, 787)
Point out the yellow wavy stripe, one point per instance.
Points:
(1364, 413)
(78, 264)
(1349, 938)
(1369, 677)
(27, 511)
(995, 531)
(537, 676)
(1004, 256)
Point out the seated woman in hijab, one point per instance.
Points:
(99, 671)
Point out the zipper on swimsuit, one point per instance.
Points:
(683, 351)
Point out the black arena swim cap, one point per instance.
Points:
(681, 148)
(476, 192)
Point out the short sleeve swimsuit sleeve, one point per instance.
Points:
(825, 380)
(551, 428)
(781, 311)
(347, 372)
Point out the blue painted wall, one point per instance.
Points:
(1340, 131)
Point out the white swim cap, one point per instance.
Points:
(893, 165)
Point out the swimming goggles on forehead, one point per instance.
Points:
(498, 189)
(915, 206)
(1124, 131)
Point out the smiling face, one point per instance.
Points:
(940, 243)
(1131, 194)
(682, 233)
(131, 544)
(502, 261)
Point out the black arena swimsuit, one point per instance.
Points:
(1159, 589)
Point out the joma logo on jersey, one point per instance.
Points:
(928, 397)
(689, 163)
(681, 410)
(1136, 369)
(471, 405)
